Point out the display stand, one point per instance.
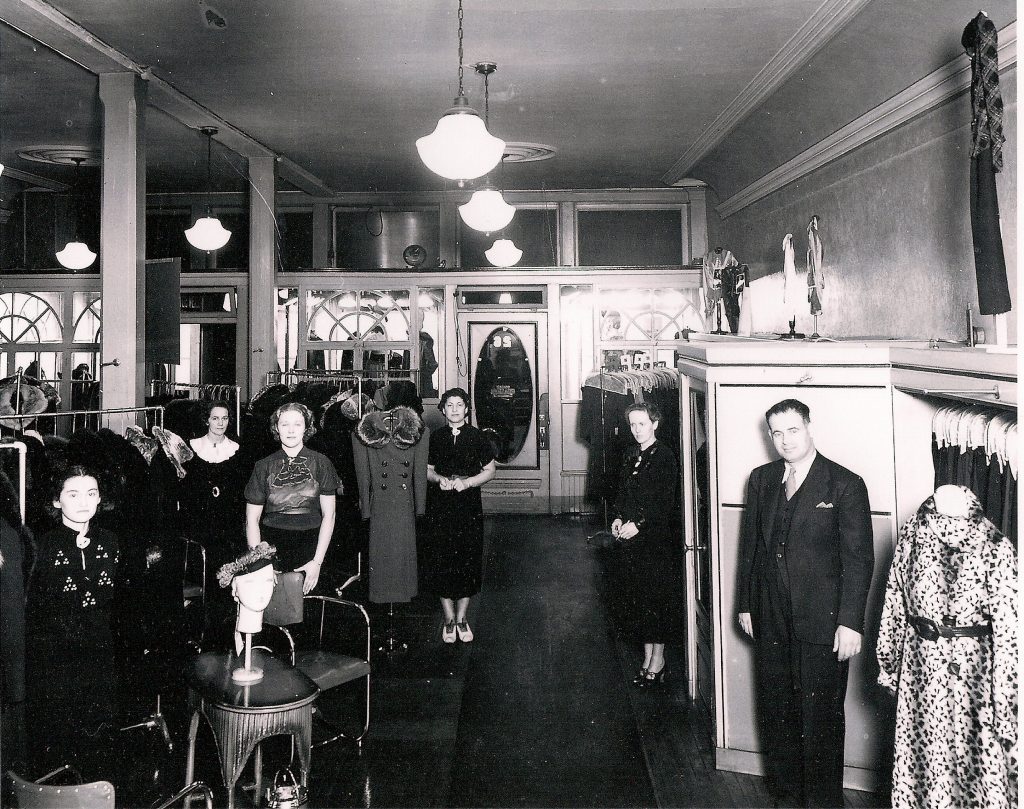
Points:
(247, 674)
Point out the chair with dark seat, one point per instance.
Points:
(324, 648)
(95, 795)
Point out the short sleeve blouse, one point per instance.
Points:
(289, 489)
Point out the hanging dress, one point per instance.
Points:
(956, 708)
(815, 267)
(794, 286)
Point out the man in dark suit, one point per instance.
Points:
(806, 556)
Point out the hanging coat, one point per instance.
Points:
(956, 714)
(390, 454)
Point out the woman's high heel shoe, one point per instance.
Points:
(652, 678)
(638, 681)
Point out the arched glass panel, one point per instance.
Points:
(30, 317)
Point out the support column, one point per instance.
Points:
(123, 240)
(698, 222)
(263, 353)
(323, 236)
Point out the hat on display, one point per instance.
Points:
(29, 400)
(254, 559)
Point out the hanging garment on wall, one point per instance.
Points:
(981, 43)
(815, 266)
(976, 447)
(947, 645)
(793, 287)
(711, 278)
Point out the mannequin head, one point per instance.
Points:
(252, 591)
(251, 579)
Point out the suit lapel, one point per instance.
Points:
(771, 500)
(815, 489)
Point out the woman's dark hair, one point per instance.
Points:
(458, 393)
(209, 406)
(298, 407)
(650, 408)
(63, 473)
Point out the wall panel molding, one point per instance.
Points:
(934, 89)
(827, 20)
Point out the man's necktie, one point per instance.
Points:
(790, 482)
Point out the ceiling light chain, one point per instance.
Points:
(462, 91)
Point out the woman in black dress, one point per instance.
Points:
(644, 511)
(70, 638)
(461, 460)
(212, 509)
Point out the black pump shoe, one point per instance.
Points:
(638, 681)
(652, 678)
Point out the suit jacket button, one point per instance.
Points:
(383, 485)
(404, 486)
(383, 474)
(383, 463)
(778, 556)
(405, 463)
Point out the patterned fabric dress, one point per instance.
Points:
(956, 714)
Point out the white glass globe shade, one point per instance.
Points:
(207, 234)
(504, 253)
(460, 148)
(487, 211)
(76, 256)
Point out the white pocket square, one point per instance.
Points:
(823, 504)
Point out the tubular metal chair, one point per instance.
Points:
(316, 654)
(94, 795)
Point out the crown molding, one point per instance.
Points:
(811, 37)
(934, 89)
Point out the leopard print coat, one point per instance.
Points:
(956, 714)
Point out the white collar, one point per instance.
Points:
(213, 453)
(801, 468)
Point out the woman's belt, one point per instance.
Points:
(930, 630)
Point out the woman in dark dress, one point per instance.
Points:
(461, 460)
(212, 509)
(644, 511)
(70, 639)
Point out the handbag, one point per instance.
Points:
(286, 792)
(285, 607)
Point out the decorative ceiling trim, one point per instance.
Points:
(939, 86)
(34, 180)
(61, 155)
(48, 26)
(811, 37)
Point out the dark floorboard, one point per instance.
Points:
(537, 712)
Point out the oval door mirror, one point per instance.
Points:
(503, 393)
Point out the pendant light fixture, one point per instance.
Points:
(503, 253)
(487, 210)
(460, 148)
(76, 255)
(208, 233)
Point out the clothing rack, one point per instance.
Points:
(7, 445)
(625, 383)
(297, 375)
(201, 392)
(151, 416)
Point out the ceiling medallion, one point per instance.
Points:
(61, 155)
(519, 152)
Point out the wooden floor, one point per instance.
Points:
(538, 711)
